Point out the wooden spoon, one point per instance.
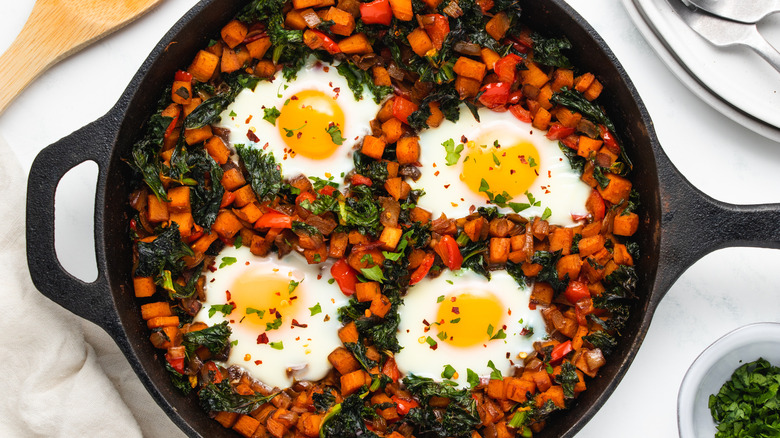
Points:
(57, 29)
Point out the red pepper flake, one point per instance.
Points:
(434, 165)
(536, 172)
(252, 137)
(436, 173)
(434, 346)
(248, 119)
(507, 355)
(295, 297)
(453, 299)
(294, 97)
(446, 186)
(258, 362)
(319, 276)
(511, 171)
(425, 321)
(295, 323)
(327, 318)
(265, 146)
(272, 310)
(524, 332)
(456, 310)
(337, 90)
(227, 295)
(262, 339)
(325, 69)
(212, 268)
(463, 139)
(549, 174)
(247, 263)
(522, 159)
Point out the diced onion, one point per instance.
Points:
(453, 10)
(466, 48)
(595, 359)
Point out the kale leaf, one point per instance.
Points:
(209, 111)
(179, 380)
(549, 273)
(370, 168)
(360, 211)
(265, 175)
(547, 51)
(474, 257)
(575, 100)
(347, 420)
(205, 199)
(602, 340)
(567, 379)
(214, 338)
(359, 79)
(164, 253)
(146, 154)
(576, 162)
(619, 291)
(458, 419)
(220, 397)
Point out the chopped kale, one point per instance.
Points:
(602, 340)
(358, 79)
(359, 351)
(576, 162)
(575, 100)
(145, 154)
(567, 379)
(205, 198)
(179, 380)
(547, 51)
(209, 111)
(598, 175)
(324, 400)
(360, 211)
(633, 250)
(164, 253)
(370, 168)
(458, 419)
(348, 419)
(633, 203)
(220, 397)
(265, 175)
(475, 257)
(214, 338)
(620, 286)
(549, 273)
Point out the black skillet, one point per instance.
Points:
(679, 224)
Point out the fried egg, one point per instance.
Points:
(463, 320)
(282, 313)
(468, 163)
(310, 124)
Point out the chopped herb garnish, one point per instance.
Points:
(315, 309)
(374, 273)
(472, 377)
(232, 113)
(448, 372)
(277, 345)
(431, 342)
(273, 325)
(335, 134)
(291, 287)
(547, 213)
(440, 299)
(227, 261)
(453, 152)
(496, 374)
(260, 313)
(225, 309)
(271, 114)
(291, 132)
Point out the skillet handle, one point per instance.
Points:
(699, 224)
(92, 301)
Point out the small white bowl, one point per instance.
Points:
(714, 367)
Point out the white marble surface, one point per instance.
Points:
(724, 290)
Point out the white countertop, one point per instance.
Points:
(721, 292)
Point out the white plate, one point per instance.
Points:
(715, 366)
(735, 81)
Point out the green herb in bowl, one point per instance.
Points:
(748, 405)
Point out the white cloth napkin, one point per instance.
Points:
(60, 376)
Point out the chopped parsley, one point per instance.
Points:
(291, 287)
(335, 134)
(227, 261)
(453, 152)
(271, 114)
(277, 345)
(273, 325)
(260, 313)
(495, 374)
(291, 132)
(315, 309)
(374, 273)
(448, 372)
(225, 309)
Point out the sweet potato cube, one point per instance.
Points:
(390, 237)
(534, 75)
(498, 25)
(181, 92)
(157, 209)
(517, 389)
(542, 294)
(232, 179)
(162, 321)
(561, 239)
(489, 57)
(357, 44)
(343, 361)
(594, 90)
(226, 225)
(309, 424)
(380, 306)
(562, 78)
(436, 117)
(338, 245)
(581, 83)
(408, 150)
(555, 393)
(185, 221)
(373, 147)
(499, 250)
(625, 224)
(229, 62)
(470, 68)
(143, 286)
(258, 47)
(617, 190)
(343, 21)
(243, 196)
(392, 130)
(197, 135)
(246, 426)
(420, 215)
(248, 213)
(153, 310)
(367, 291)
(348, 333)
(402, 9)
(569, 265)
(179, 199)
(621, 256)
(351, 382)
(541, 119)
(226, 419)
(467, 87)
(542, 380)
(316, 255)
(397, 188)
(495, 389)
(588, 146)
(233, 33)
(591, 244)
(203, 66)
(420, 41)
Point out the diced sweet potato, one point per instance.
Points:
(153, 310)
(194, 136)
(203, 66)
(258, 47)
(353, 381)
(499, 250)
(625, 224)
(226, 225)
(420, 41)
(498, 25)
(157, 209)
(402, 9)
(373, 147)
(232, 179)
(380, 306)
(588, 146)
(343, 21)
(390, 237)
(348, 333)
(357, 44)
(408, 150)
(343, 361)
(143, 286)
(470, 68)
(591, 245)
(233, 33)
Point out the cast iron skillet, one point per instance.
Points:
(679, 224)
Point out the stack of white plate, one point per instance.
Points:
(734, 80)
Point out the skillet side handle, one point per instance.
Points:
(694, 224)
(91, 301)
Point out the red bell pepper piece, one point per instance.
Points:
(558, 132)
(609, 140)
(514, 97)
(495, 94)
(422, 270)
(403, 108)
(345, 276)
(376, 12)
(521, 113)
(172, 125)
(448, 250)
(595, 205)
(183, 76)
(274, 219)
(403, 406)
(360, 180)
(216, 374)
(315, 39)
(327, 190)
(305, 196)
(390, 369)
(176, 363)
(506, 67)
(576, 290)
(559, 351)
(437, 29)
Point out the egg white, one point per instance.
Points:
(421, 305)
(557, 187)
(247, 111)
(303, 349)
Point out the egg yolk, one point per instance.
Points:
(463, 321)
(502, 167)
(307, 124)
(262, 299)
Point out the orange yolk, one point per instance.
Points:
(304, 122)
(260, 296)
(465, 321)
(510, 168)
